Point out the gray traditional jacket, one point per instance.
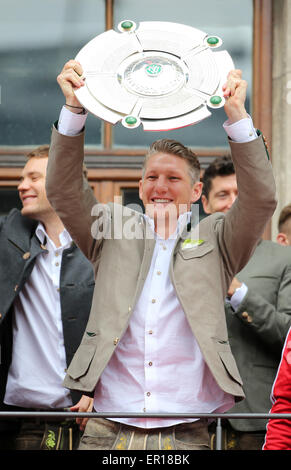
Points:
(200, 275)
(19, 248)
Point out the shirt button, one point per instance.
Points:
(150, 363)
(148, 394)
(144, 410)
(164, 247)
(57, 264)
(57, 253)
(159, 273)
(150, 332)
(153, 301)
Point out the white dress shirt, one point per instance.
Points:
(38, 362)
(157, 365)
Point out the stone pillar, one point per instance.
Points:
(281, 116)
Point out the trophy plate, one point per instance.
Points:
(160, 75)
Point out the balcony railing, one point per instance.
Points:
(211, 416)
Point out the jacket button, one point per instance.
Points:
(245, 315)
(0, 315)
(115, 341)
(15, 288)
(43, 247)
(26, 255)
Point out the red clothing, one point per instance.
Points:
(278, 435)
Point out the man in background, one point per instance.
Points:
(46, 287)
(258, 313)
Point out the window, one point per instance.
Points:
(8, 199)
(37, 38)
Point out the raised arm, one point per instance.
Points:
(243, 225)
(67, 190)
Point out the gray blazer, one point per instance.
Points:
(19, 250)
(200, 275)
(257, 330)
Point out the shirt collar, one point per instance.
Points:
(65, 237)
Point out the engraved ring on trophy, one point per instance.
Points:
(160, 75)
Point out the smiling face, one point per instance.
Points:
(166, 187)
(222, 194)
(32, 189)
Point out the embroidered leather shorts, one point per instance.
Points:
(103, 434)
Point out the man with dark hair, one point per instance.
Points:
(284, 226)
(222, 173)
(46, 287)
(258, 313)
(156, 340)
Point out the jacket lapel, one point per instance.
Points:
(23, 237)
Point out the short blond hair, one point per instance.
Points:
(39, 152)
(43, 152)
(173, 147)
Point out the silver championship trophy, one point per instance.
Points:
(159, 74)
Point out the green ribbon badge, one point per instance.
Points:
(190, 243)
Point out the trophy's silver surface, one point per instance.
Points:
(159, 74)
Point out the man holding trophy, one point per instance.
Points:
(156, 340)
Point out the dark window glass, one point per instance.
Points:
(130, 196)
(36, 39)
(9, 199)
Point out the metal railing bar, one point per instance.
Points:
(71, 414)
